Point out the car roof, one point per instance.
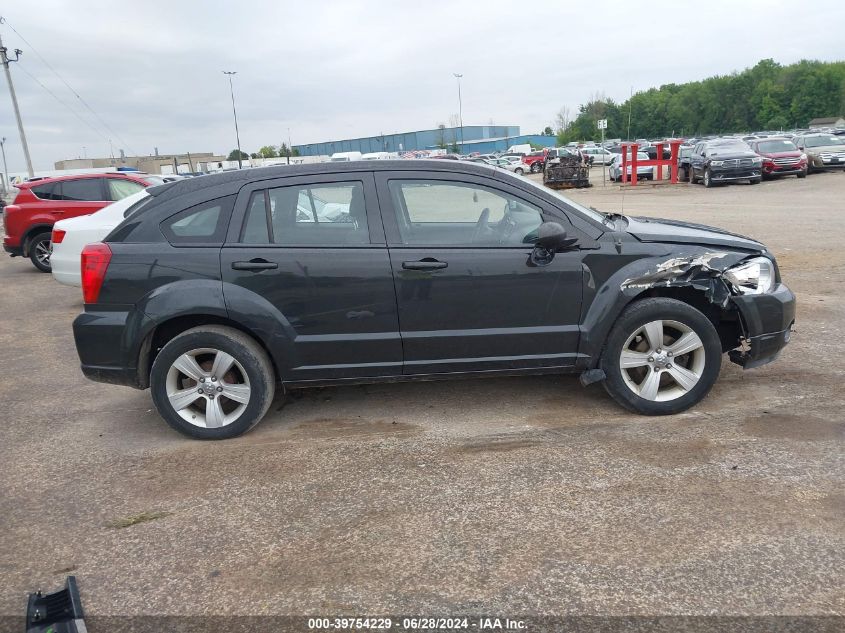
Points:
(51, 179)
(243, 176)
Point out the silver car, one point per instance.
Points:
(511, 163)
(644, 172)
(600, 155)
(824, 151)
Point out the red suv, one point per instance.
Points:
(780, 157)
(535, 160)
(39, 204)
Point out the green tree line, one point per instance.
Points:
(268, 151)
(768, 96)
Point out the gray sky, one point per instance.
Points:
(340, 69)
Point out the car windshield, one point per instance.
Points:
(590, 213)
(723, 148)
(771, 147)
(821, 141)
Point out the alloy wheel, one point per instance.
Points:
(43, 250)
(208, 388)
(662, 360)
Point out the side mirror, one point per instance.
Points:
(552, 237)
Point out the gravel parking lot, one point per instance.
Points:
(511, 496)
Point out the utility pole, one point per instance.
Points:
(6, 61)
(630, 105)
(235, 112)
(5, 169)
(460, 110)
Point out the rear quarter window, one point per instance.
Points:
(204, 223)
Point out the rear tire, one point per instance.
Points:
(211, 415)
(691, 173)
(40, 249)
(536, 168)
(519, 171)
(698, 367)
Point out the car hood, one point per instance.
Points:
(792, 153)
(673, 231)
(728, 154)
(835, 149)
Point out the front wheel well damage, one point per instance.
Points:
(726, 320)
(166, 331)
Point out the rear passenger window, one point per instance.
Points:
(202, 224)
(49, 191)
(82, 190)
(308, 215)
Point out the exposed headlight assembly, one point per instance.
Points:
(756, 160)
(716, 163)
(753, 277)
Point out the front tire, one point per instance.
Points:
(756, 181)
(662, 356)
(212, 382)
(40, 249)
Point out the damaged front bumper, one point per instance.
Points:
(767, 321)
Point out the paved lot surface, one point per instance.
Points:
(525, 495)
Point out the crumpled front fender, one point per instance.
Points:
(698, 267)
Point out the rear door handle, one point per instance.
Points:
(428, 263)
(255, 264)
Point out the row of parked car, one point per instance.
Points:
(729, 159)
(722, 159)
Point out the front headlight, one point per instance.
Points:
(756, 161)
(716, 163)
(754, 277)
(803, 157)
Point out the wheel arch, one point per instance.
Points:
(165, 331)
(30, 233)
(696, 285)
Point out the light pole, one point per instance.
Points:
(5, 169)
(4, 59)
(460, 109)
(235, 113)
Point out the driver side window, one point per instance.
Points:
(446, 213)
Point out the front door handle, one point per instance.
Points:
(255, 264)
(429, 263)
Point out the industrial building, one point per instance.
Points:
(155, 164)
(469, 138)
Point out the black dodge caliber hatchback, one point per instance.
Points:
(216, 291)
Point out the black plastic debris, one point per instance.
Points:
(58, 612)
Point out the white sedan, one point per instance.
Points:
(72, 235)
